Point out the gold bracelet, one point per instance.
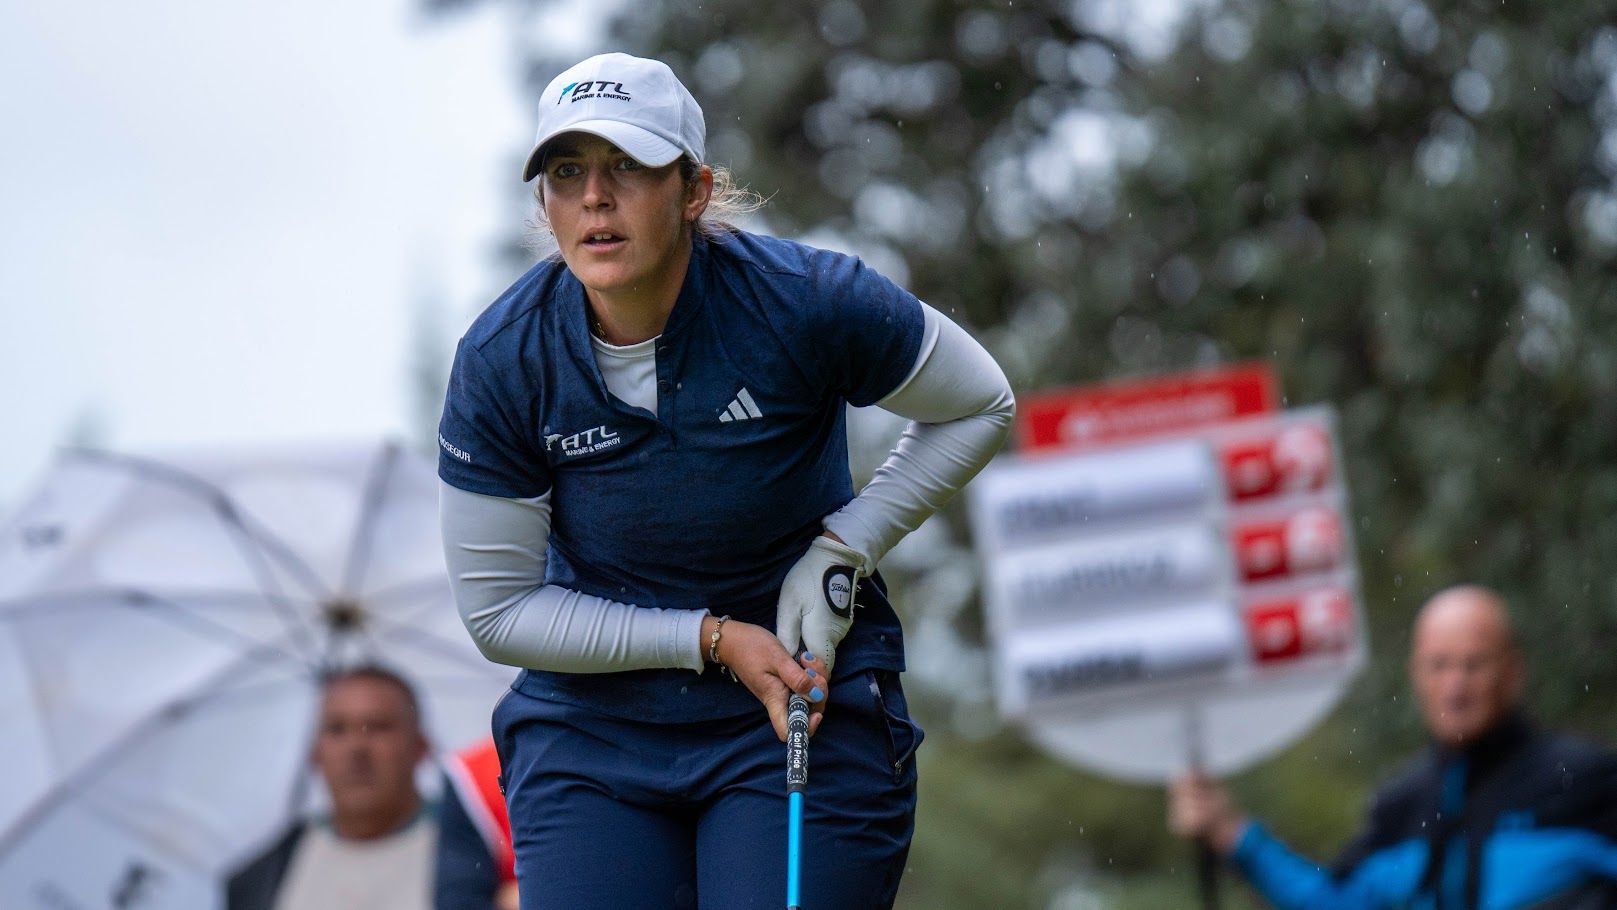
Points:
(713, 646)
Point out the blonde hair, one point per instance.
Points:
(730, 201)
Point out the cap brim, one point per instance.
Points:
(641, 144)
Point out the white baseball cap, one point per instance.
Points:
(636, 104)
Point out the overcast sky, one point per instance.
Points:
(219, 217)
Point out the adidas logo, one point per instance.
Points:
(742, 407)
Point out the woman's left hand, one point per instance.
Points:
(817, 598)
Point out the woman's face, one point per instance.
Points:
(619, 225)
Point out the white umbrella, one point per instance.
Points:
(163, 629)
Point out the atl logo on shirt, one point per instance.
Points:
(594, 439)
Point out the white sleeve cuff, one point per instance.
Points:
(496, 548)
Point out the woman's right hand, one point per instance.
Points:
(757, 658)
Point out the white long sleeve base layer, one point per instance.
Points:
(496, 550)
(960, 407)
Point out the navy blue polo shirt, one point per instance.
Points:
(710, 501)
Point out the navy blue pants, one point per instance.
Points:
(609, 813)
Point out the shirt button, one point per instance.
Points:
(662, 385)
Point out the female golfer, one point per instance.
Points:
(647, 506)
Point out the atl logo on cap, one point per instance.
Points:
(597, 88)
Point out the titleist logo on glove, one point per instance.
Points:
(840, 584)
(817, 598)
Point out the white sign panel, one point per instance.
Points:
(1045, 499)
(1062, 582)
(1121, 651)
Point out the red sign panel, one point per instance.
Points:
(1296, 459)
(1131, 411)
(1320, 622)
(1307, 541)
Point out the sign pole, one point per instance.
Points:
(1207, 860)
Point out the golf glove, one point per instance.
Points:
(816, 600)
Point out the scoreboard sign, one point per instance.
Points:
(1205, 570)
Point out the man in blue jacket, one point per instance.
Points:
(1496, 814)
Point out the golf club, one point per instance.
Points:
(797, 725)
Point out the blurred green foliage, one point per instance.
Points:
(1408, 208)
